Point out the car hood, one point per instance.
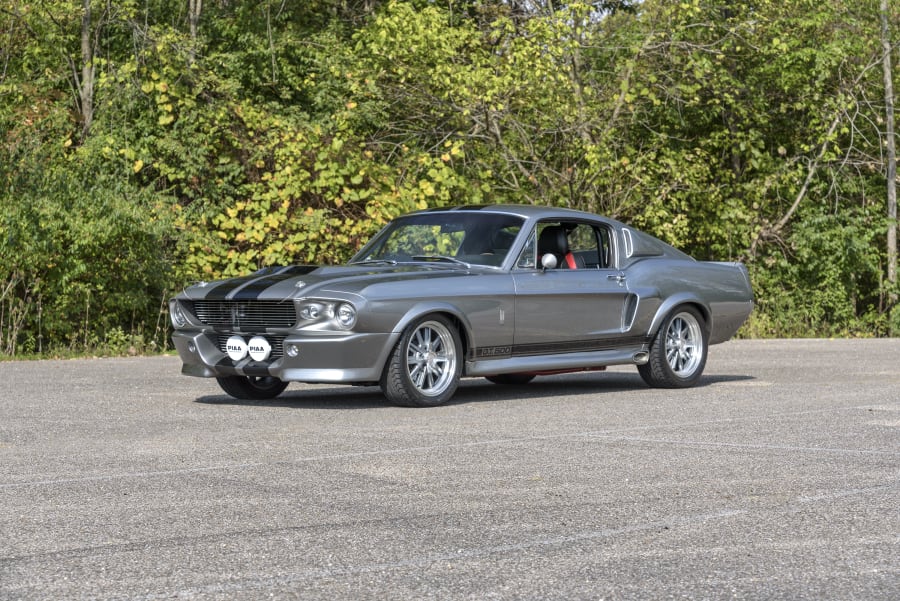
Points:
(297, 281)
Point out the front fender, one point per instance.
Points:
(424, 308)
(415, 313)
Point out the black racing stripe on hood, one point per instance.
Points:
(251, 286)
(253, 289)
(221, 290)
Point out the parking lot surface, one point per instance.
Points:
(777, 478)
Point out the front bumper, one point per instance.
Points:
(349, 358)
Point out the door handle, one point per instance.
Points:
(619, 278)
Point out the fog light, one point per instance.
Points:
(192, 347)
(292, 350)
(259, 348)
(236, 347)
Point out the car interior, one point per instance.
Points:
(574, 245)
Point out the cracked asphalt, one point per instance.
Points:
(777, 478)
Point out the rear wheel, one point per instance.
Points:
(678, 352)
(252, 388)
(425, 366)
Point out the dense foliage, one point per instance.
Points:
(146, 143)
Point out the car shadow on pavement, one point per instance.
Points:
(471, 390)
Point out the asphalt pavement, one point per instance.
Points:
(777, 478)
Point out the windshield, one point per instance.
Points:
(474, 238)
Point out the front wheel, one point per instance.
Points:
(252, 388)
(678, 351)
(425, 366)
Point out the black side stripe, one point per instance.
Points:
(575, 346)
(558, 348)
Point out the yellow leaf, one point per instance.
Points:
(138, 165)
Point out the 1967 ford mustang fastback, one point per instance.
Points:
(503, 292)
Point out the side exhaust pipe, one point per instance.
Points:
(641, 358)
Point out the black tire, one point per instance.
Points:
(252, 388)
(425, 366)
(678, 351)
(510, 379)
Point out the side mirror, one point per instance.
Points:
(548, 261)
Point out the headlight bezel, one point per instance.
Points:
(312, 310)
(345, 315)
(177, 315)
(319, 313)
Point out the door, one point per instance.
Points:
(565, 309)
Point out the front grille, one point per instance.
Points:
(277, 343)
(245, 316)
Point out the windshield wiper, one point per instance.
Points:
(373, 262)
(440, 258)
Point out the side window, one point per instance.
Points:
(590, 245)
(583, 244)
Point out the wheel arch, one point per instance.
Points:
(448, 310)
(676, 302)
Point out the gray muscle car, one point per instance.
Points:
(503, 292)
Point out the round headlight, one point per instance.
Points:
(176, 313)
(345, 315)
(311, 311)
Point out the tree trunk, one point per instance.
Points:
(86, 89)
(891, 154)
(194, 9)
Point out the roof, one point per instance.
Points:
(527, 211)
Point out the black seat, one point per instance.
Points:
(553, 240)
